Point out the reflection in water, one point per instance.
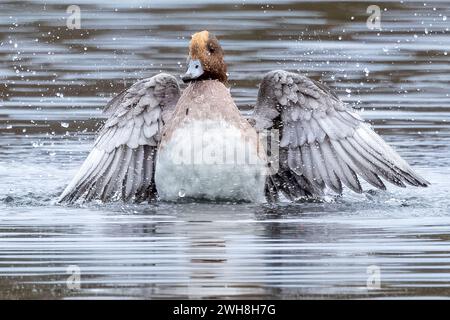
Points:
(55, 82)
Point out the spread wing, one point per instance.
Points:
(121, 164)
(323, 142)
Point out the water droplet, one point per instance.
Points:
(64, 124)
(181, 193)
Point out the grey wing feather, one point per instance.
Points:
(323, 141)
(121, 163)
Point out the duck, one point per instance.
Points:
(160, 143)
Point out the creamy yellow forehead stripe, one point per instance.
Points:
(200, 38)
(198, 43)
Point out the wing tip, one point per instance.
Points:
(421, 182)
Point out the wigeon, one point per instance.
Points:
(159, 143)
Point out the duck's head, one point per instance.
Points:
(205, 61)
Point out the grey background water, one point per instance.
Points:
(54, 82)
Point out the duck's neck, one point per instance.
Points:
(222, 77)
(210, 87)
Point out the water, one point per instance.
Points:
(55, 82)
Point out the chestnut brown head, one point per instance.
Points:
(205, 61)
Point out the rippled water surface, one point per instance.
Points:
(54, 82)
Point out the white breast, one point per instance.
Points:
(209, 160)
